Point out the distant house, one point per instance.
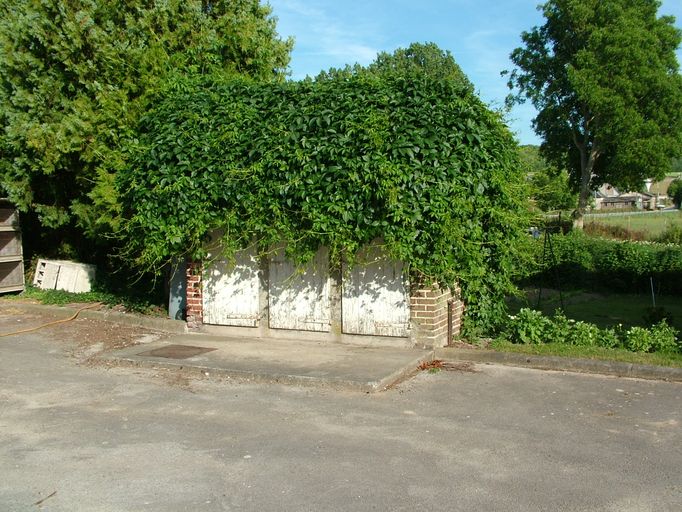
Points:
(605, 193)
(618, 203)
(608, 197)
(660, 188)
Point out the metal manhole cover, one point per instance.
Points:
(176, 351)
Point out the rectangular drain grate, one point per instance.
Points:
(177, 351)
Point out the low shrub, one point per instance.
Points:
(559, 328)
(639, 339)
(610, 338)
(584, 334)
(580, 261)
(532, 327)
(660, 338)
(671, 235)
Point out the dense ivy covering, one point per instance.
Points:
(337, 162)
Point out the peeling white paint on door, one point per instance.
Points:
(299, 297)
(375, 296)
(231, 290)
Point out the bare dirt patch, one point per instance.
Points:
(84, 340)
(82, 337)
(459, 366)
(110, 336)
(13, 320)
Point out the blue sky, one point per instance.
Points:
(479, 33)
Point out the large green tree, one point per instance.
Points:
(76, 76)
(549, 187)
(677, 165)
(675, 192)
(604, 78)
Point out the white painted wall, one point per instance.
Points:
(231, 290)
(298, 298)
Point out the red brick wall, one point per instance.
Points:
(429, 315)
(195, 310)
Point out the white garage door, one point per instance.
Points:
(231, 290)
(299, 298)
(375, 296)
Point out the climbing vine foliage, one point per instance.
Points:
(421, 164)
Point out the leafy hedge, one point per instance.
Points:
(598, 263)
(337, 162)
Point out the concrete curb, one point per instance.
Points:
(209, 370)
(405, 372)
(616, 368)
(132, 319)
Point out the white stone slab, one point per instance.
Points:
(69, 276)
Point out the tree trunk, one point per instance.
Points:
(587, 160)
(583, 199)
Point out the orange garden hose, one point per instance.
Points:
(63, 320)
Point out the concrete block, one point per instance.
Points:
(69, 276)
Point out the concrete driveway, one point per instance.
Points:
(76, 437)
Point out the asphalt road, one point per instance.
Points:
(81, 438)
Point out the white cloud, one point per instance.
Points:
(320, 33)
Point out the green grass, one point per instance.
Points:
(60, 298)
(651, 224)
(601, 309)
(600, 353)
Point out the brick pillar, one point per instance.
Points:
(195, 308)
(429, 315)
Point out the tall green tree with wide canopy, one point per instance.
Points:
(605, 80)
(76, 76)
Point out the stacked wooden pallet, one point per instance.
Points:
(11, 253)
